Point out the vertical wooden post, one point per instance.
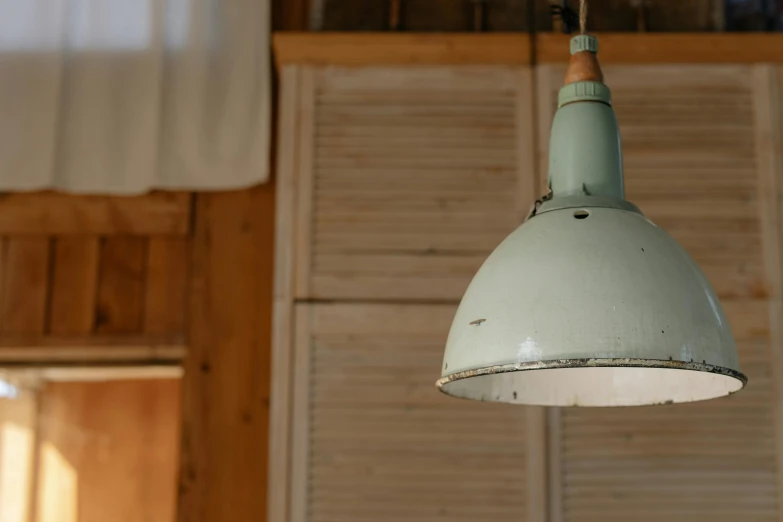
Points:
(769, 149)
(223, 471)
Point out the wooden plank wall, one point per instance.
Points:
(453, 139)
(89, 272)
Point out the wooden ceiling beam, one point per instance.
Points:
(669, 48)
(359, 49)
(366, 49)
(53, 214)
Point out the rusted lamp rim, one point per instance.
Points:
(621, 362)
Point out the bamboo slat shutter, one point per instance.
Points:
(697, 157)
(395, 183)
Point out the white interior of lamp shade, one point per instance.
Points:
(594, 386)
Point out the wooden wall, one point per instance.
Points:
(80, 274)
(93, 281)
(100, 282)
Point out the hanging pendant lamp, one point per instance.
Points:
(589, 303)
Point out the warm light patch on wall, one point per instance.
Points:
(58, 487)
(16, 450)
(17, 441)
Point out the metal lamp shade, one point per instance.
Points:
(589, 303)
(590, 307)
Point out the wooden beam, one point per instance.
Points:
(28, 350)
(362, 49)
(367, 49)
(223, 474)
(99, 374)
(669, 48)
(51, 214)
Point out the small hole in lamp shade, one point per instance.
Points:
(581, 214)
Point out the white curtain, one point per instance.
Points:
(122, 96)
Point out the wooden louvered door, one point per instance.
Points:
(395, 183)
(380, 443)
(699, 161)
(408, 177)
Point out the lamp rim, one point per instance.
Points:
(594, 362)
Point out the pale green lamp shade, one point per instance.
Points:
(589, 303)
(590, 307)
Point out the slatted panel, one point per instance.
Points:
(712, 461)
(689, 142)
(689, 157)
(120, 306)
(690, 162)
(374, 439)
(80, 286)
(74, 285)
(26, 279)
(409, 177)
(166, 285)
(70, 299)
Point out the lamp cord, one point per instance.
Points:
(582, 16)
(570, 19)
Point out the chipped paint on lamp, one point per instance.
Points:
(589, 303)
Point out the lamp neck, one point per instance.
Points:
(585, 156)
